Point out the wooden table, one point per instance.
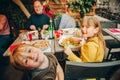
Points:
(55, 47)
(114, 32)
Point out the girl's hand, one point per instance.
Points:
(67, 49)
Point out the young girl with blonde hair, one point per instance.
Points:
(94, 47)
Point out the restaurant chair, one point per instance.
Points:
(111, 43)
(79, 71)
(115, 56)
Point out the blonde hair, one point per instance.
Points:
(15, 56)
(96, 25)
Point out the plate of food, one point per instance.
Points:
(41, 44)
(72, 42)
(68, 31)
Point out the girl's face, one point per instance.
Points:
(88, 30)
(31, 57)
(38, 7)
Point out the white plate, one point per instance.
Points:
(68, 30)
(70, 40)
(43, 44)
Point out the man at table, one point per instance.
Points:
(38, 19)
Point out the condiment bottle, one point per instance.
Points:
(39, 33)
(51, 30)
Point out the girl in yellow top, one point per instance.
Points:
(94, 47)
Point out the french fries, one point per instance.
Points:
(41, 44)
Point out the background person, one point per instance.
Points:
(5, 39)
(38, 64)
(94, 48)
(65, 21)
(38, 19)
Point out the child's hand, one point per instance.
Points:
(67, 49)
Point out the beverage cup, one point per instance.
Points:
(30, 36)
(57, 34)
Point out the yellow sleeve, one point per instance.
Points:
(89, 52)
(74, 58)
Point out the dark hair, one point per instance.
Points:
(41, 1)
